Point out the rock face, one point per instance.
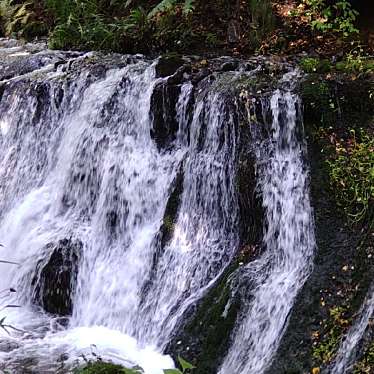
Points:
(55, 278)
(163, 103)
(168, 65)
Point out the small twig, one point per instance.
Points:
(8, 262)
(10, 306)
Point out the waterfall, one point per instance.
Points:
(278, 275)
(81, 172)
(345, 357)
(126, 183)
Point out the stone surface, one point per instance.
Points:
(55, 278)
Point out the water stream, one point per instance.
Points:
(289, 241)
(81, 168)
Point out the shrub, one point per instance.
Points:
(351, 171)
(19, 19)
(339, 17)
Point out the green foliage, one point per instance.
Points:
(169, 5)
(83, 24)
(309, 64)
(19, 19)
(356, 62)
(211, 39)
(351, 173)
(87, 24)
(315, 65)
(188, 7)
(185, 366)
(340, 17)
(163, 6)
(100, 367)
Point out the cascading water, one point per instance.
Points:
(87, 182)
(345, 357)
(205, 236)
(79, 165)
(289, 242)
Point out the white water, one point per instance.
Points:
(289, 243)
(86, 168)
(345, 357)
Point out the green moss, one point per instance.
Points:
(205, 338)
(101, 368)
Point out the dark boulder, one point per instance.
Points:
(229, 66)
(167, 65)
(163, 107)
(55, 278)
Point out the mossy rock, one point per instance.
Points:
(100, 368)
(204, 339)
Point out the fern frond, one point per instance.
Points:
(188, 7)
(163, 6)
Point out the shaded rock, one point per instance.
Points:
(8, 345)
(168, 65)
(171, 211)
(230, 66)
(203, 73)
(55, 278)
(163, 108)
(180, 75)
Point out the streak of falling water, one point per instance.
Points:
(345, 357)
(289, 243)
(205, 236)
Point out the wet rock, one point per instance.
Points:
(21, 65)
(55, 278)
(168, 65)
(171, 210)
(180, 75)
(8, 345)
(203, 73)
(229, 66)
(163, 107)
